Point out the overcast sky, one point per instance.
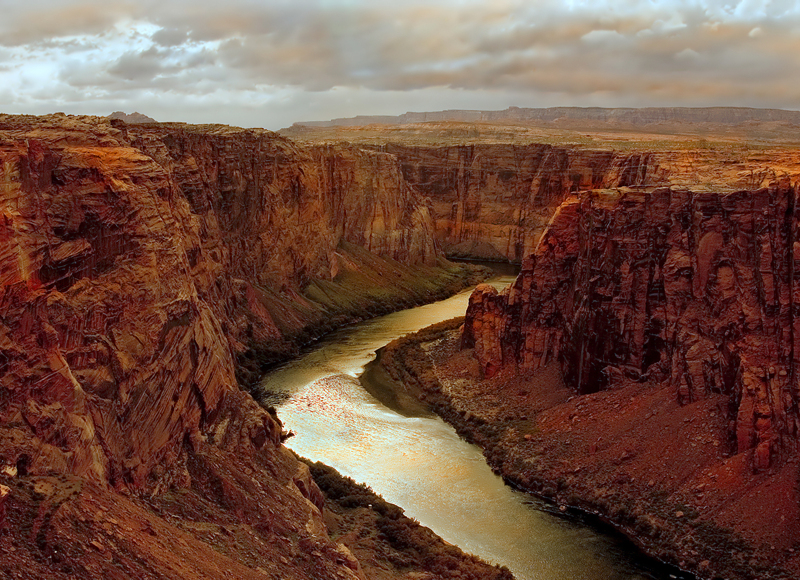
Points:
(269, 63)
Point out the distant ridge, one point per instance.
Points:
(132, 118)
(642, 116)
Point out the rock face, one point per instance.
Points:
(132, 270)
(696, 290)
(136, 265)
(494, 201)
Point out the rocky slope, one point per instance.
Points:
(137, 265)
(670, 316)
(696, 290)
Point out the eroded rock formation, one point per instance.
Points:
(696, 290)
(136, 266)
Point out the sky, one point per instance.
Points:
(270, 63)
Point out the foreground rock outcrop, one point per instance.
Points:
(145, 273)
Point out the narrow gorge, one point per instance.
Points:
(149, 273)
(641, 366)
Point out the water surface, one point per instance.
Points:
(420, 463)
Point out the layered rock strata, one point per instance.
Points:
(696, 290)
(493, 201)
(136, 266)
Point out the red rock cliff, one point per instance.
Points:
(697, 290)
(132, 271)
(136, 265)
(494, 201)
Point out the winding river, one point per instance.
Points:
(421, 464)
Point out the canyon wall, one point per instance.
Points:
(137, 265)
(275, 218)
(694, 289)
(494, 201)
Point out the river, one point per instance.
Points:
(421, 464)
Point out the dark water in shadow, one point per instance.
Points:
(418, 462)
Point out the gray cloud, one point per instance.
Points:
(170, 36)
(261, 56)
(139, 66)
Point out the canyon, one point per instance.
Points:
(642, 366)
(150, 273)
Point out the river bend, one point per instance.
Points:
(421, 464)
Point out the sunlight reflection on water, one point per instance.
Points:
(420, 463)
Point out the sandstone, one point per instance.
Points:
(140, 267)
(494, 201)
(133, 272)
(693, 289)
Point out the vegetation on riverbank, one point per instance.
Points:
(366, 286)
(388, 543)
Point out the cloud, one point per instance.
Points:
(170, 37)
(259, 54)
(137, 66)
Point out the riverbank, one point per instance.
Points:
(387, 543)
(631, 455)
(365, 286)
